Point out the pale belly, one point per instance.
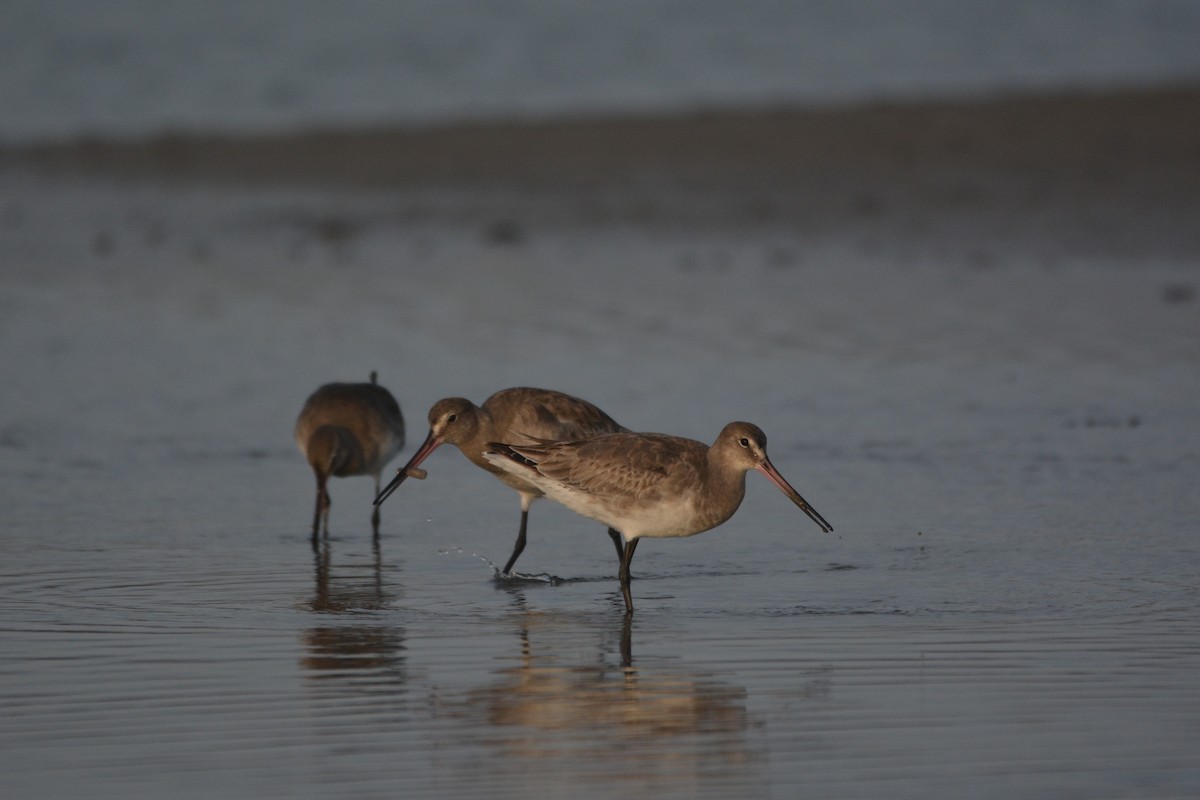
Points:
(665, 519)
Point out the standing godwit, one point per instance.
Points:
(648, 484)
(517, 414)
(348, 429)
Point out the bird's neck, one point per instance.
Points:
(474, 438)
(724, 490)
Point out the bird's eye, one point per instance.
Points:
(452, 418)
(744, 442)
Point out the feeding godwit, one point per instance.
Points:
(648, 484)
(348, 429)
(518, 414)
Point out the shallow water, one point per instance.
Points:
(238, 662)
(1009, 605)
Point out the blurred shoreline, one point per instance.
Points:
(1105, 136)
(1092, 175)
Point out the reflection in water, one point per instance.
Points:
(353, 648)
(368, 653)
(647, 726)
(352, 591)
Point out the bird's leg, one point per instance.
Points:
(520, 545)
(326, 503)
(316, 526)
(321, 564)
(616, 538)
(627, 642)
(623, 575)
(375, 513)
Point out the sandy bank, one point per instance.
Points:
(1103, 134)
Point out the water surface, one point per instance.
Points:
(1009, 605)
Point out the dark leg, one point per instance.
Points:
(616, 537)
(316, 528)
(326, 503)
(623, 575)
(321, 563)
(627, 641)
(375, 514)
(520, 546)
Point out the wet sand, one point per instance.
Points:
(1102, 134)
(969, 330)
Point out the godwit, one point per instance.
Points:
(518, 414)
(348, 429)
(648, 484)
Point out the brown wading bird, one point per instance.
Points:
(348, 429)
(517, 414)
(648, 484)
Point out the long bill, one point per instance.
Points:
(768, 469)
(431, 443)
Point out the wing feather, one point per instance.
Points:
(622, 465)
(546, 415)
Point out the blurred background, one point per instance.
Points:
(137, 67)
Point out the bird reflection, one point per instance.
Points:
(354, 650)
(645, 725)
(359, 590)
